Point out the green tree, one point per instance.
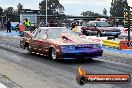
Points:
(19, 8)
(118, 7)
(54, 7)
(1, 11)
(9, 11)
(90, 13)
(104, 12)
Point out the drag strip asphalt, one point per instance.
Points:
(58, 74)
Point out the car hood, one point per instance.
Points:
(109, 28)
(70, 40)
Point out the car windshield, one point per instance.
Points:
(55, 33)
(84, 24)
(102, 24)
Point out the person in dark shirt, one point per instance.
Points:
(51, 23)
(73, 25)
(8, 25)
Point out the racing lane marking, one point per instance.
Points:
(128, 52)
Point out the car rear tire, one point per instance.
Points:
(53, 54)
(29, 49)
(116, 36)
(99, 34)
(90, 59)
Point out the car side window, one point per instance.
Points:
(41, 34)
(88, 25)
(34, 33)
(92, 24)
(44, 34)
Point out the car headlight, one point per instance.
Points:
(97, 46)
(68, 47)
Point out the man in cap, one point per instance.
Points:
(27, 24)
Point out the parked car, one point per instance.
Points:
(124, 31)
(59, 43)
(100, 28)
(14, 26)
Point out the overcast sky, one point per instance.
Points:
(72, 7)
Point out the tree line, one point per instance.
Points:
(11, 10)
(55, 8)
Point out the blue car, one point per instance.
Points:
(14, 26)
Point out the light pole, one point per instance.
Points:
(46, 13)
(129, 37)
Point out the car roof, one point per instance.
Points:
(51, 27)
(96, 21)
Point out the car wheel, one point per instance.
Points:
(90, 59)
(84, 32)
(99, 34)
(29, 49)
(81, 80)
(53, 54)
(116, 36)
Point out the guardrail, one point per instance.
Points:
(112, 44)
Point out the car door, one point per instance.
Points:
(34, 40)
(39, 42)
(90, 28)
(23, 40)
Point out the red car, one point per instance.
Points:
(100, 28)
(59, 43)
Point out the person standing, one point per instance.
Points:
(8, 25)
(21, 29)
(27, 24)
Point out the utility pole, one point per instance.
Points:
(129, 23)
(46, 13)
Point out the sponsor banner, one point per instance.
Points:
(126, 45)
(111, 43)
(96, 39)
(82, 78)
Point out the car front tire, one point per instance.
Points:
(53, 54)
(99, 34)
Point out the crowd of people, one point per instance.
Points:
(26, 24)
(21, 26)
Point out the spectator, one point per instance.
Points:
(42, 24)
(51, 23)
(8, 25)
(74, 27)
(113, 21)
(27, 24)
(21, 29)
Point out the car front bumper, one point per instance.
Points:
(111, 33)
(93, 53)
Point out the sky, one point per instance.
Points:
(72, 7)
